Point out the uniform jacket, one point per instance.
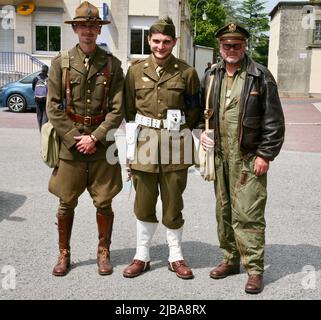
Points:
(87, 92)
(261, 120)
(151, 96)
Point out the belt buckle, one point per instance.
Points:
(87, 121)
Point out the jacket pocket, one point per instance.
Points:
(251, 132)
(175, 94)
(75, 88)
(144, 88)
(98, 93)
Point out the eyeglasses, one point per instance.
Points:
(229, 46)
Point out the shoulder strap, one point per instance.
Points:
(65, 65)
(207, 112)
(107, 74)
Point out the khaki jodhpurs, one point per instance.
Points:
(102, 180)
(171, 186)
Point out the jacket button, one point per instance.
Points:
(159, 115)
(88, 91)
(159, 101)
(158, 88)
(88, 100)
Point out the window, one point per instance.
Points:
(317, 32)
(48, 38)
(138, 42)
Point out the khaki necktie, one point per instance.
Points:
(159, 71)
(86, 63)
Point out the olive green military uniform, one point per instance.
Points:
(162, 161)
(77, 171)
(240, 194)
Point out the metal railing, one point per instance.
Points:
(16, 65)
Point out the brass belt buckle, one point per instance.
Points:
(87, 121)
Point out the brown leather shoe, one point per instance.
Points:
(223, 270)
(136, 268)
(254, 284)
(181, 269)
(63, 264)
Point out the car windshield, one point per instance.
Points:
(29, 78)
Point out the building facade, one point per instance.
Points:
(42, 32)
(295, 48)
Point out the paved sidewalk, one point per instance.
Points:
(28, 236)
(303, 124)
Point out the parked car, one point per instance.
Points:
(18, 96)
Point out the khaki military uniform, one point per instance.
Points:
(87, 93)
(162, 161)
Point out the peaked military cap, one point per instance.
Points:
(164, 26)
(86, 12)
(232, 31)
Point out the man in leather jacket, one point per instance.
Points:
(248, 123)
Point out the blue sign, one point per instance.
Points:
(105, 11)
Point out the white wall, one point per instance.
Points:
(315, 76)
(274, 44)
(203, 55)
(143, 7)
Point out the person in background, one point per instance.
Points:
(40, 88)
(209, 64)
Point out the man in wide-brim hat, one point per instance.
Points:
(86, 12)
(93, 91)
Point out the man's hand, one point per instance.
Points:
(206, 141)
(261, 166)
(85, 144)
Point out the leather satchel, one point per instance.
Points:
(50, 145)
(206, 157)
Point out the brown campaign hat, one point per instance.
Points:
(232, 31)
(165, 26)
(86, 12)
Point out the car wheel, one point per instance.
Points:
(16, 103)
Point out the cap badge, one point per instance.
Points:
(232, 27)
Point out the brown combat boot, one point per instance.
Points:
(105, 227)
(64, 230)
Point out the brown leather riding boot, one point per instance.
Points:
(105, 228)
(64, 230)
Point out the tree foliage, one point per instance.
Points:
(253, 17)
(249, 13)
(205, 29)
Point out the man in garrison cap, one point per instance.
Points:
(248, 125)
(162, 99)
(90, 80)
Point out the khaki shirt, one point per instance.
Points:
(87, 94)
(151, 96)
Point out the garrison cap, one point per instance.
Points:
(164, 26)
(86, 12)
(232, 31)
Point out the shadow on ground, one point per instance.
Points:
(282, 260)
(9, 203)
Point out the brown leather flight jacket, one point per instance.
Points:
(261, 120)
